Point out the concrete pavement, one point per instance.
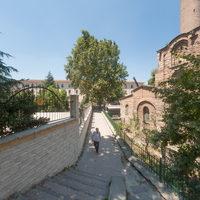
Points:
(89, 180)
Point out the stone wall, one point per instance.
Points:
(28, 157)
(133, 106)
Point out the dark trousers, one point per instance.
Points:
(96, 145)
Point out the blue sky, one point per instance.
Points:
(40, 34)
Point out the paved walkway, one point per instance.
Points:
(89, 180)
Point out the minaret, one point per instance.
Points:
(190, 15)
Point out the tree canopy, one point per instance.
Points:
(181, 93)
(94, 68)
(52, 100)
(151, 81)
(49, 81)
(52, 103)
(16, 113)
(6, 80)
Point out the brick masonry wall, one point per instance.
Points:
(140, 98)
(28, 157)
(188, 43)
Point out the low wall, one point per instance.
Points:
(28, 157)
(84, 127)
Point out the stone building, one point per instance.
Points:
(62, 84)
(130, 85)
(142, 102)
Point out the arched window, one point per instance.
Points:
(179, 49)
(126, 109)
(146, 115)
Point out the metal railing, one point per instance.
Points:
(52, 103)
(33, 106)
(184, 187)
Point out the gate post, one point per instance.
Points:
(74, 106)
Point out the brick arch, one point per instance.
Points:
(147, 102)
(179, 44)
(179, 48)
(151, 124)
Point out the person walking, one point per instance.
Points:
(96, 138)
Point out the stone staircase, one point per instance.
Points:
(71, 184)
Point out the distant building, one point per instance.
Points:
(62, 84)
(130, 85)
(66, 85)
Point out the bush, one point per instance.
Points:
(16, 114)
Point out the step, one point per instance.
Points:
(101, 178)
(76, 185)
(39, 193)
(86, 180)
(18, 196)
(143, 191)
(66, 191)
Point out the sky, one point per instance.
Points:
(40, 34)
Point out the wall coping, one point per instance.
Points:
(29, 134)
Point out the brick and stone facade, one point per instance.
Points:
(186, 43)
(143, 102)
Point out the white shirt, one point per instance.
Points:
(96, 136)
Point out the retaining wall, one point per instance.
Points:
(28, 157)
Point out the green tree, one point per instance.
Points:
(6, 81)
(52, 100)
(151, 81)
(181, 94)
(16, 111)
(49, 81)
(94, 68)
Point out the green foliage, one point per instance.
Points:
(84, 102)
(181, 94)
(94, 68)
(6, 82)
(134, 125)
(151, 81)
(16, 112)
(49, 81)
(52, 100)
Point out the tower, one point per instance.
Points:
(189, 15)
